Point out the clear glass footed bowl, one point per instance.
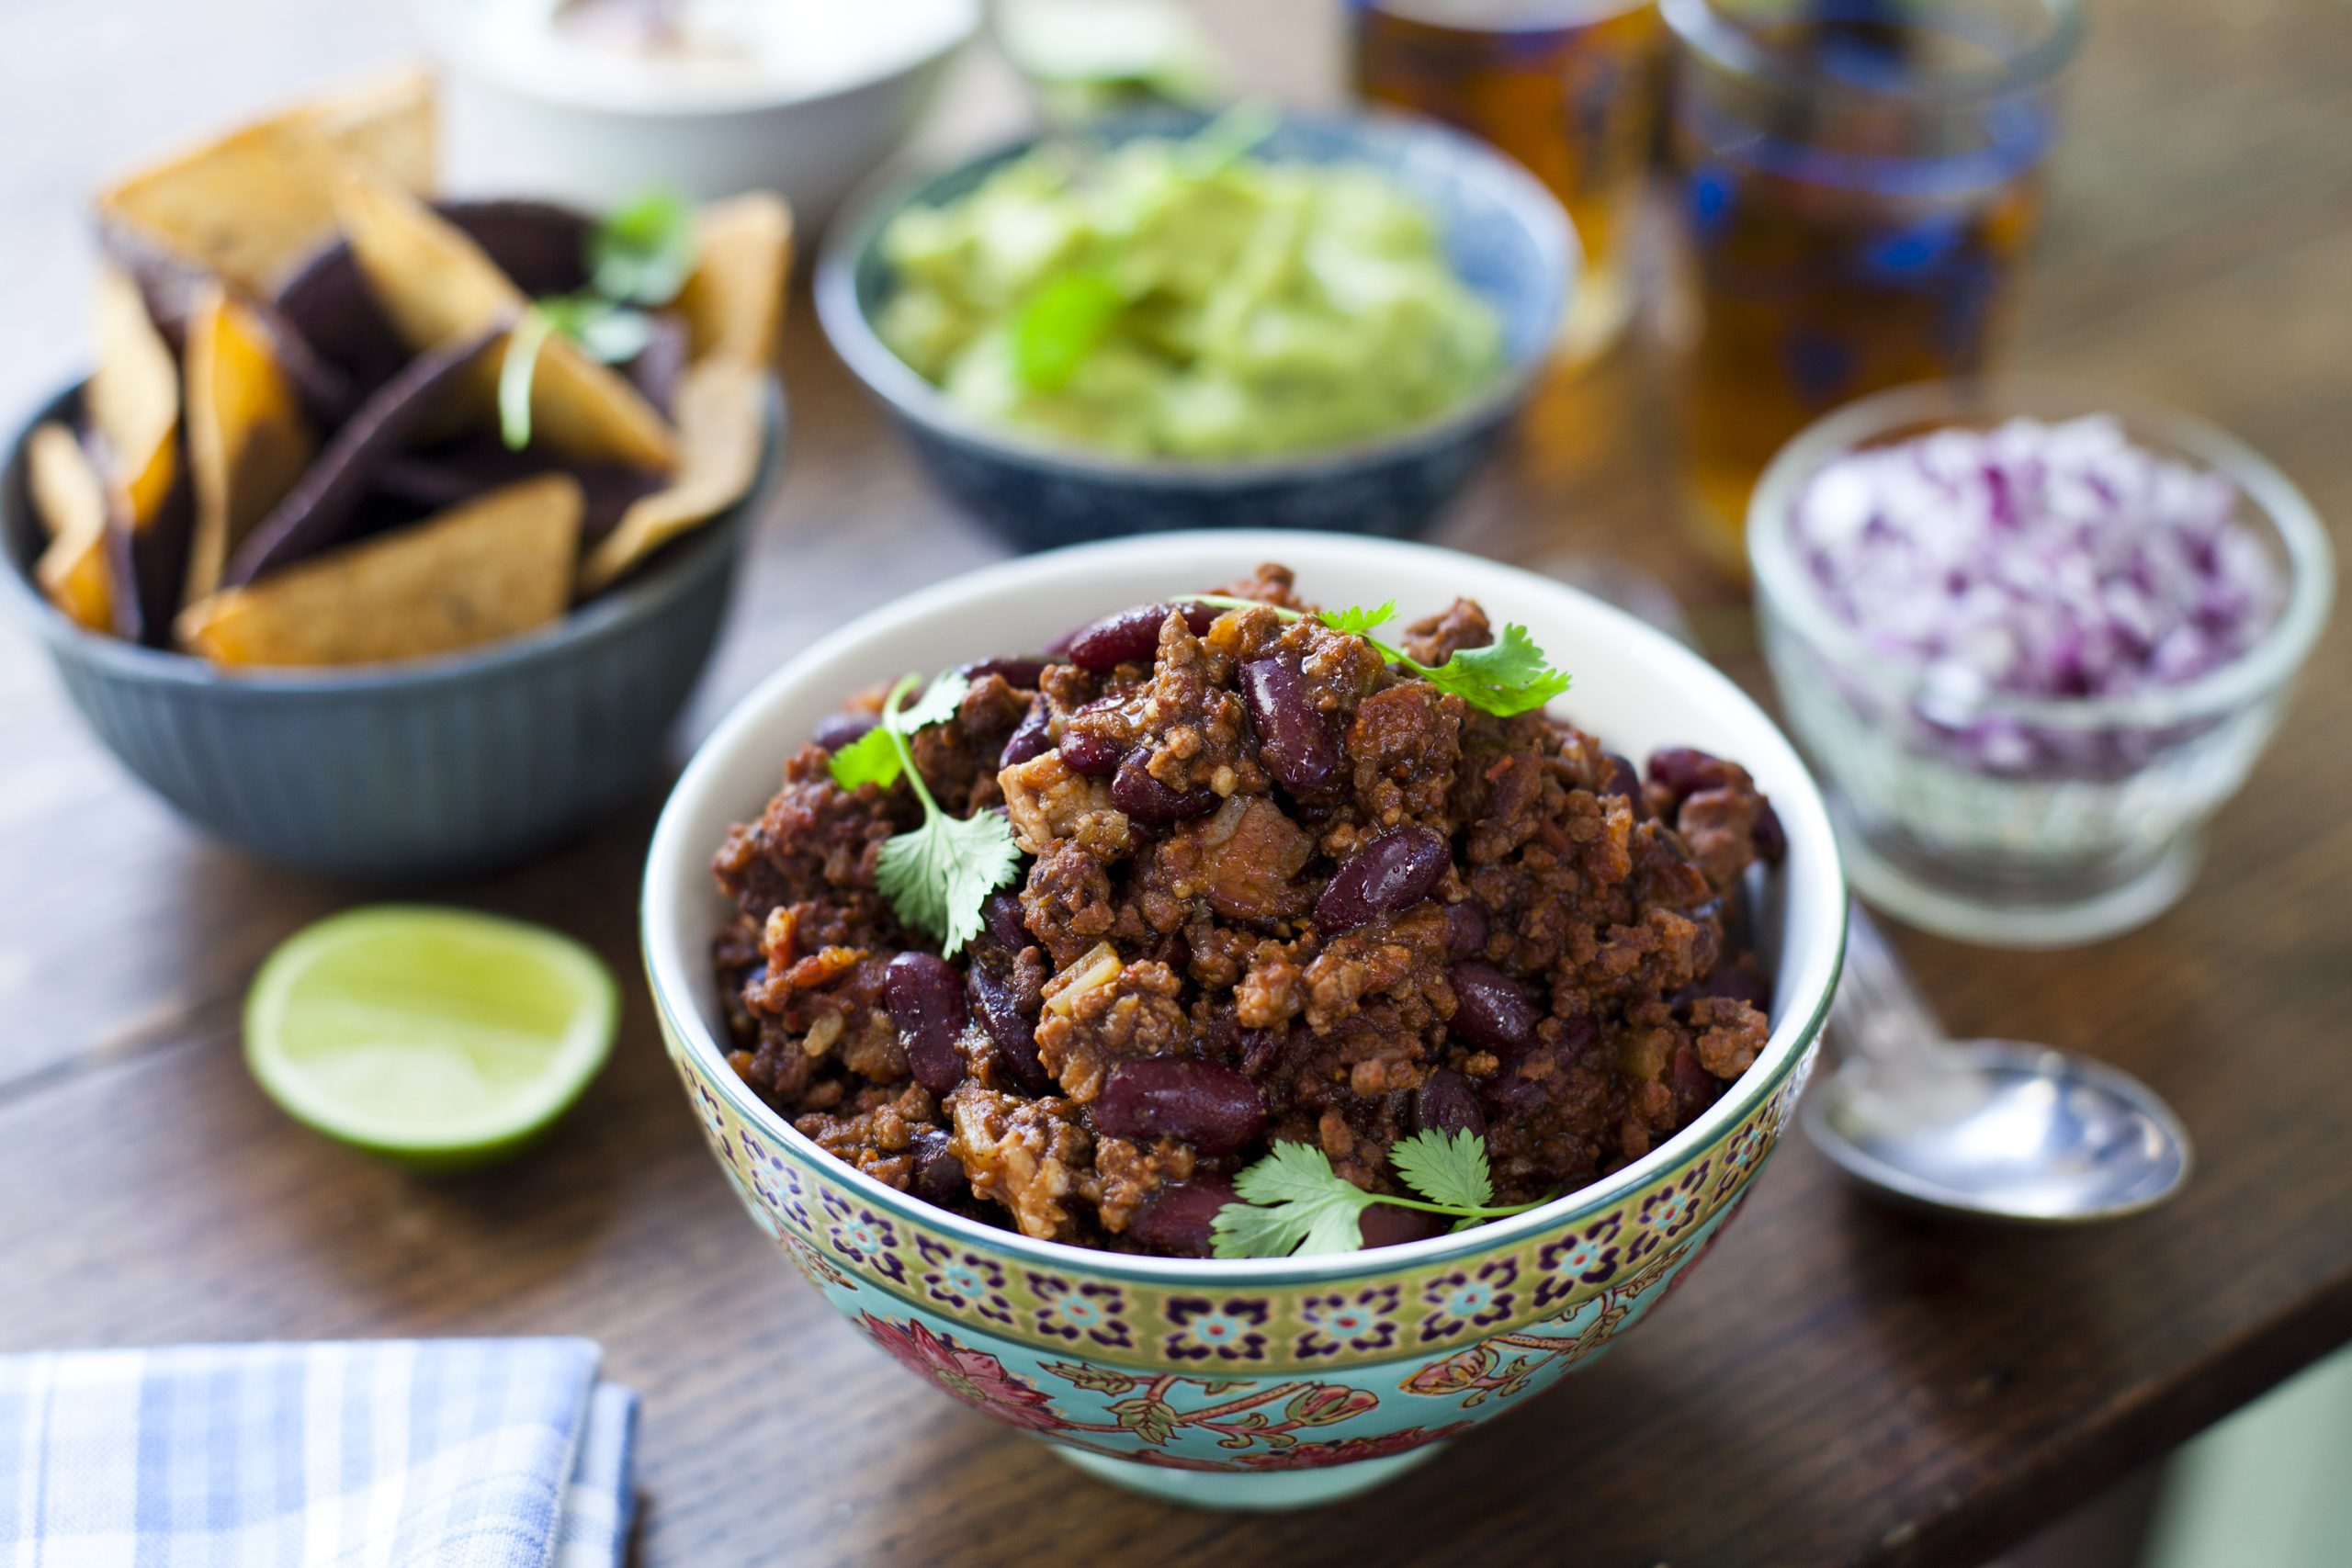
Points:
(2011, 820)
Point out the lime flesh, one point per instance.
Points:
(438, 1037)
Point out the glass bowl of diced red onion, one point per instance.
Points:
(2033, 639)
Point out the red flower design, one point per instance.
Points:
(975, 1376)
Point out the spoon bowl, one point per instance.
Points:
(2003, 1130)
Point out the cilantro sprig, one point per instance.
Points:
(1509, 676)
(638, 258)
(1293, 1201)
(937, 876)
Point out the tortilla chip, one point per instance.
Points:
(133, 402)
(72, 505)
(147, 560)
(495, 566)
(249, 205)
(317, 514)
(733, 300)
(446, 475)
(718, 428)
(247, 441)
(437, 286)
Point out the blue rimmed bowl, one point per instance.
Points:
(1504, 234)
(413, 771)
(1267, 1382)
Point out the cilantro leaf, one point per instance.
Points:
(642, 252)
(1293, 1201)
(1508, 676)
(1448, 1172)
(1359, 621)
(872, 758)
(938, 876)
(1061, 324)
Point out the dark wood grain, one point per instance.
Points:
(1840, 1384)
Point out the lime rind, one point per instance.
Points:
(438, 1037)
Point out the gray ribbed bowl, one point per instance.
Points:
(407, 771)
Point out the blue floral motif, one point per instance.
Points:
(963, 1280)
(1587, 1258)
(1227, 1330)
(1462, 1298)
(863, 1236)
(1091, 1310)
(1666, 1212)
(1365, 1321)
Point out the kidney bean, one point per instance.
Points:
(1466, 929)
(1695, 1087)
(1006, 923)
(1131, 637)
(926, 999)
(1295, 741)
(1146, 799)
(1446, 1102)
(1199, 618)
(1211, 1105)
(1020, 670)
(1685, 772)
(938, 1174)
(1771, 839)
(1091, 755)
(1625, 780)
(1014, 1031)
(836, 730)
(1393, 872)
(1029, 738)
(1385, 1224)
(1490, 1008)
(1179, 1218)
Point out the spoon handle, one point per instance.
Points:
(1879, 1011)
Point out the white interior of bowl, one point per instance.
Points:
(1635, 687)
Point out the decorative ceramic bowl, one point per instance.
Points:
(425, 769)
(1504, 234)
(1271, 1383)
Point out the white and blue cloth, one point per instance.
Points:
(437, 1453)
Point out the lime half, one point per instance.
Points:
(437, 1037)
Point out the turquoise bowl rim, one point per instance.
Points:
(1790, 1046)
(852, 238)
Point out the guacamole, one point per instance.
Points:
(1185, 299)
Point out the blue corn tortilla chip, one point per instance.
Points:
(451, 474)
(324, 509)
(541, 247)
(147, 560)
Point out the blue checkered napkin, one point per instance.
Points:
(452, 1453)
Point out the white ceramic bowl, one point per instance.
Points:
(1366, 1358)
(510, 130)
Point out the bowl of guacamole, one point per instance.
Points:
(1175, 321)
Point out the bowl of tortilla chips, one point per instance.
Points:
(389, 535)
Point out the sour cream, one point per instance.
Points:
(699, 54)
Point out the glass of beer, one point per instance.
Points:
(1857, 181)
(1568, 87)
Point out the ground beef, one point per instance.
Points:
(1573, 983)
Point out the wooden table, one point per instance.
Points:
(1839, 1385)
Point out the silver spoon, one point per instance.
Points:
(1994, 1128)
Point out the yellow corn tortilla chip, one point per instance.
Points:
(133, 402)
(72, 505)
(733, 300)
(253, 203)
(438, 287)
(718, 430)
(496, 566)
(247, 441)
